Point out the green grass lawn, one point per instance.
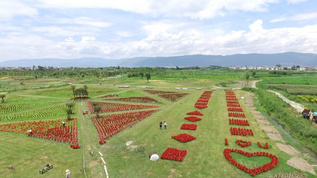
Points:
(204, 157)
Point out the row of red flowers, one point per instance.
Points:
(243, 143)
(170, 95)
(202, 102)
(233, 114)
(195, 113)
(232, 102)
(113, 107)
(144, 99)
(258, 170)
(233, 105)
(189, 127)
(174, 154)
(231, 98)
(239, 122)
(235, 109)
(50, 130)
(110, 125)
(193, 118)
(184, 137)
(241, 131)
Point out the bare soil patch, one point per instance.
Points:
(289, 175)
(288, 149)
(301, 164)
(92, 164)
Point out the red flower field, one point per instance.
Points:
(110, 125)
(174, 154)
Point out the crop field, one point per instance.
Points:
(208, 133)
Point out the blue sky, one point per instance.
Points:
(31, 29)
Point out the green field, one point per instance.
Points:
(204, 155)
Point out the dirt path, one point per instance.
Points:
(298, 107)
(254, 83)
(273, 134)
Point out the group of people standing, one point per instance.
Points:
(161, 124)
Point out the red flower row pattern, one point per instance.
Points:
(193, 118)
(239, 122)
(233, 114)
(50, 130)
(189, 127)
(113, 107)
(241, 131)
(235, 109)
(174, 154)
(136, 99)
(184, 137)
(109, 125)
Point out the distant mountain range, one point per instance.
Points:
(284, 59)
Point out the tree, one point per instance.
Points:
(278, 65)
(253, 74)
(2, 96)
(247, 77)
(73, 87)
(69, 111)
(97, 109)
(148, 77)
(70, 105)
(85, 87)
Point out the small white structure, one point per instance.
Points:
(154, 157)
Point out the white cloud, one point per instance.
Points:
(168, 39)
(86, 39)
(11, 8)
(69, 39)
(298, 17)
(124, 33)
(295, 1)
(85, 21)
(201, 9)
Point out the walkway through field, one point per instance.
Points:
(298, 107)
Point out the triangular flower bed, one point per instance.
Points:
(184, 137)
(174, 154)
(113, 107)
(193, 118)
(51, 130)
(110, 125)
(189, 127)
(195, 113)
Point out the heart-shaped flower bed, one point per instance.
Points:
(189, 127)
(174, 154)
(266, 146)
(184, 137)
(193, 118)
(243, 143)
(254, 171)
(195, 113)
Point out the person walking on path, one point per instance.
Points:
(165, 124)
(160, 125)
